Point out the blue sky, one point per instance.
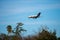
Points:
(14, 11)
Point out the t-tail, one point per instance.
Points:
(38, 14)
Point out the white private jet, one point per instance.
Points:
(35, 16)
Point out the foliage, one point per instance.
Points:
(41, 35)
(19, 29)
(44, 35)
(9, 28)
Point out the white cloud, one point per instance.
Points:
(27, 9)
(43, 22)
(34, 23)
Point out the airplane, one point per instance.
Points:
(35, 16)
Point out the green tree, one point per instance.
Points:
(58, 38)
(9, 29)
(19, 29)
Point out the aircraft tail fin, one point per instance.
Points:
(38, 14)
